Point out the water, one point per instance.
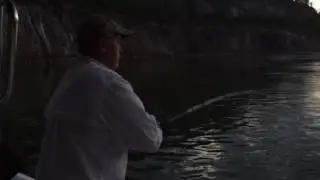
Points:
(271, 132)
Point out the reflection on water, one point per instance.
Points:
(271, 133)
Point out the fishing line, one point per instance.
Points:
(209, 102)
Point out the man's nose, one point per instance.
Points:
(120, 48)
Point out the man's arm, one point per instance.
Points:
(137, 129)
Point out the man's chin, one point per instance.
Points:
(116, 66)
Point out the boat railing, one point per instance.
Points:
(9, 17)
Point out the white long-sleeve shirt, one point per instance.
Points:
(93, 119)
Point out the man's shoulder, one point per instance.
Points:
(103, 74)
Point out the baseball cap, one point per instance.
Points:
(98, 26)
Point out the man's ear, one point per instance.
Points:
(102, 45)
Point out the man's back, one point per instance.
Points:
(93, 119)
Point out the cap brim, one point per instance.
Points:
(125, 32)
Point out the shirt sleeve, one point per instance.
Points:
(136, 128)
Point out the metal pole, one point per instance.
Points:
(1, 33)
(10, 52)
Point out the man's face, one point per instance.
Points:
(110, 52)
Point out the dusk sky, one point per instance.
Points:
(316, 4)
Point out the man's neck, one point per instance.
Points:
(102, 62)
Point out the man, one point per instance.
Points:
(94, 116)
